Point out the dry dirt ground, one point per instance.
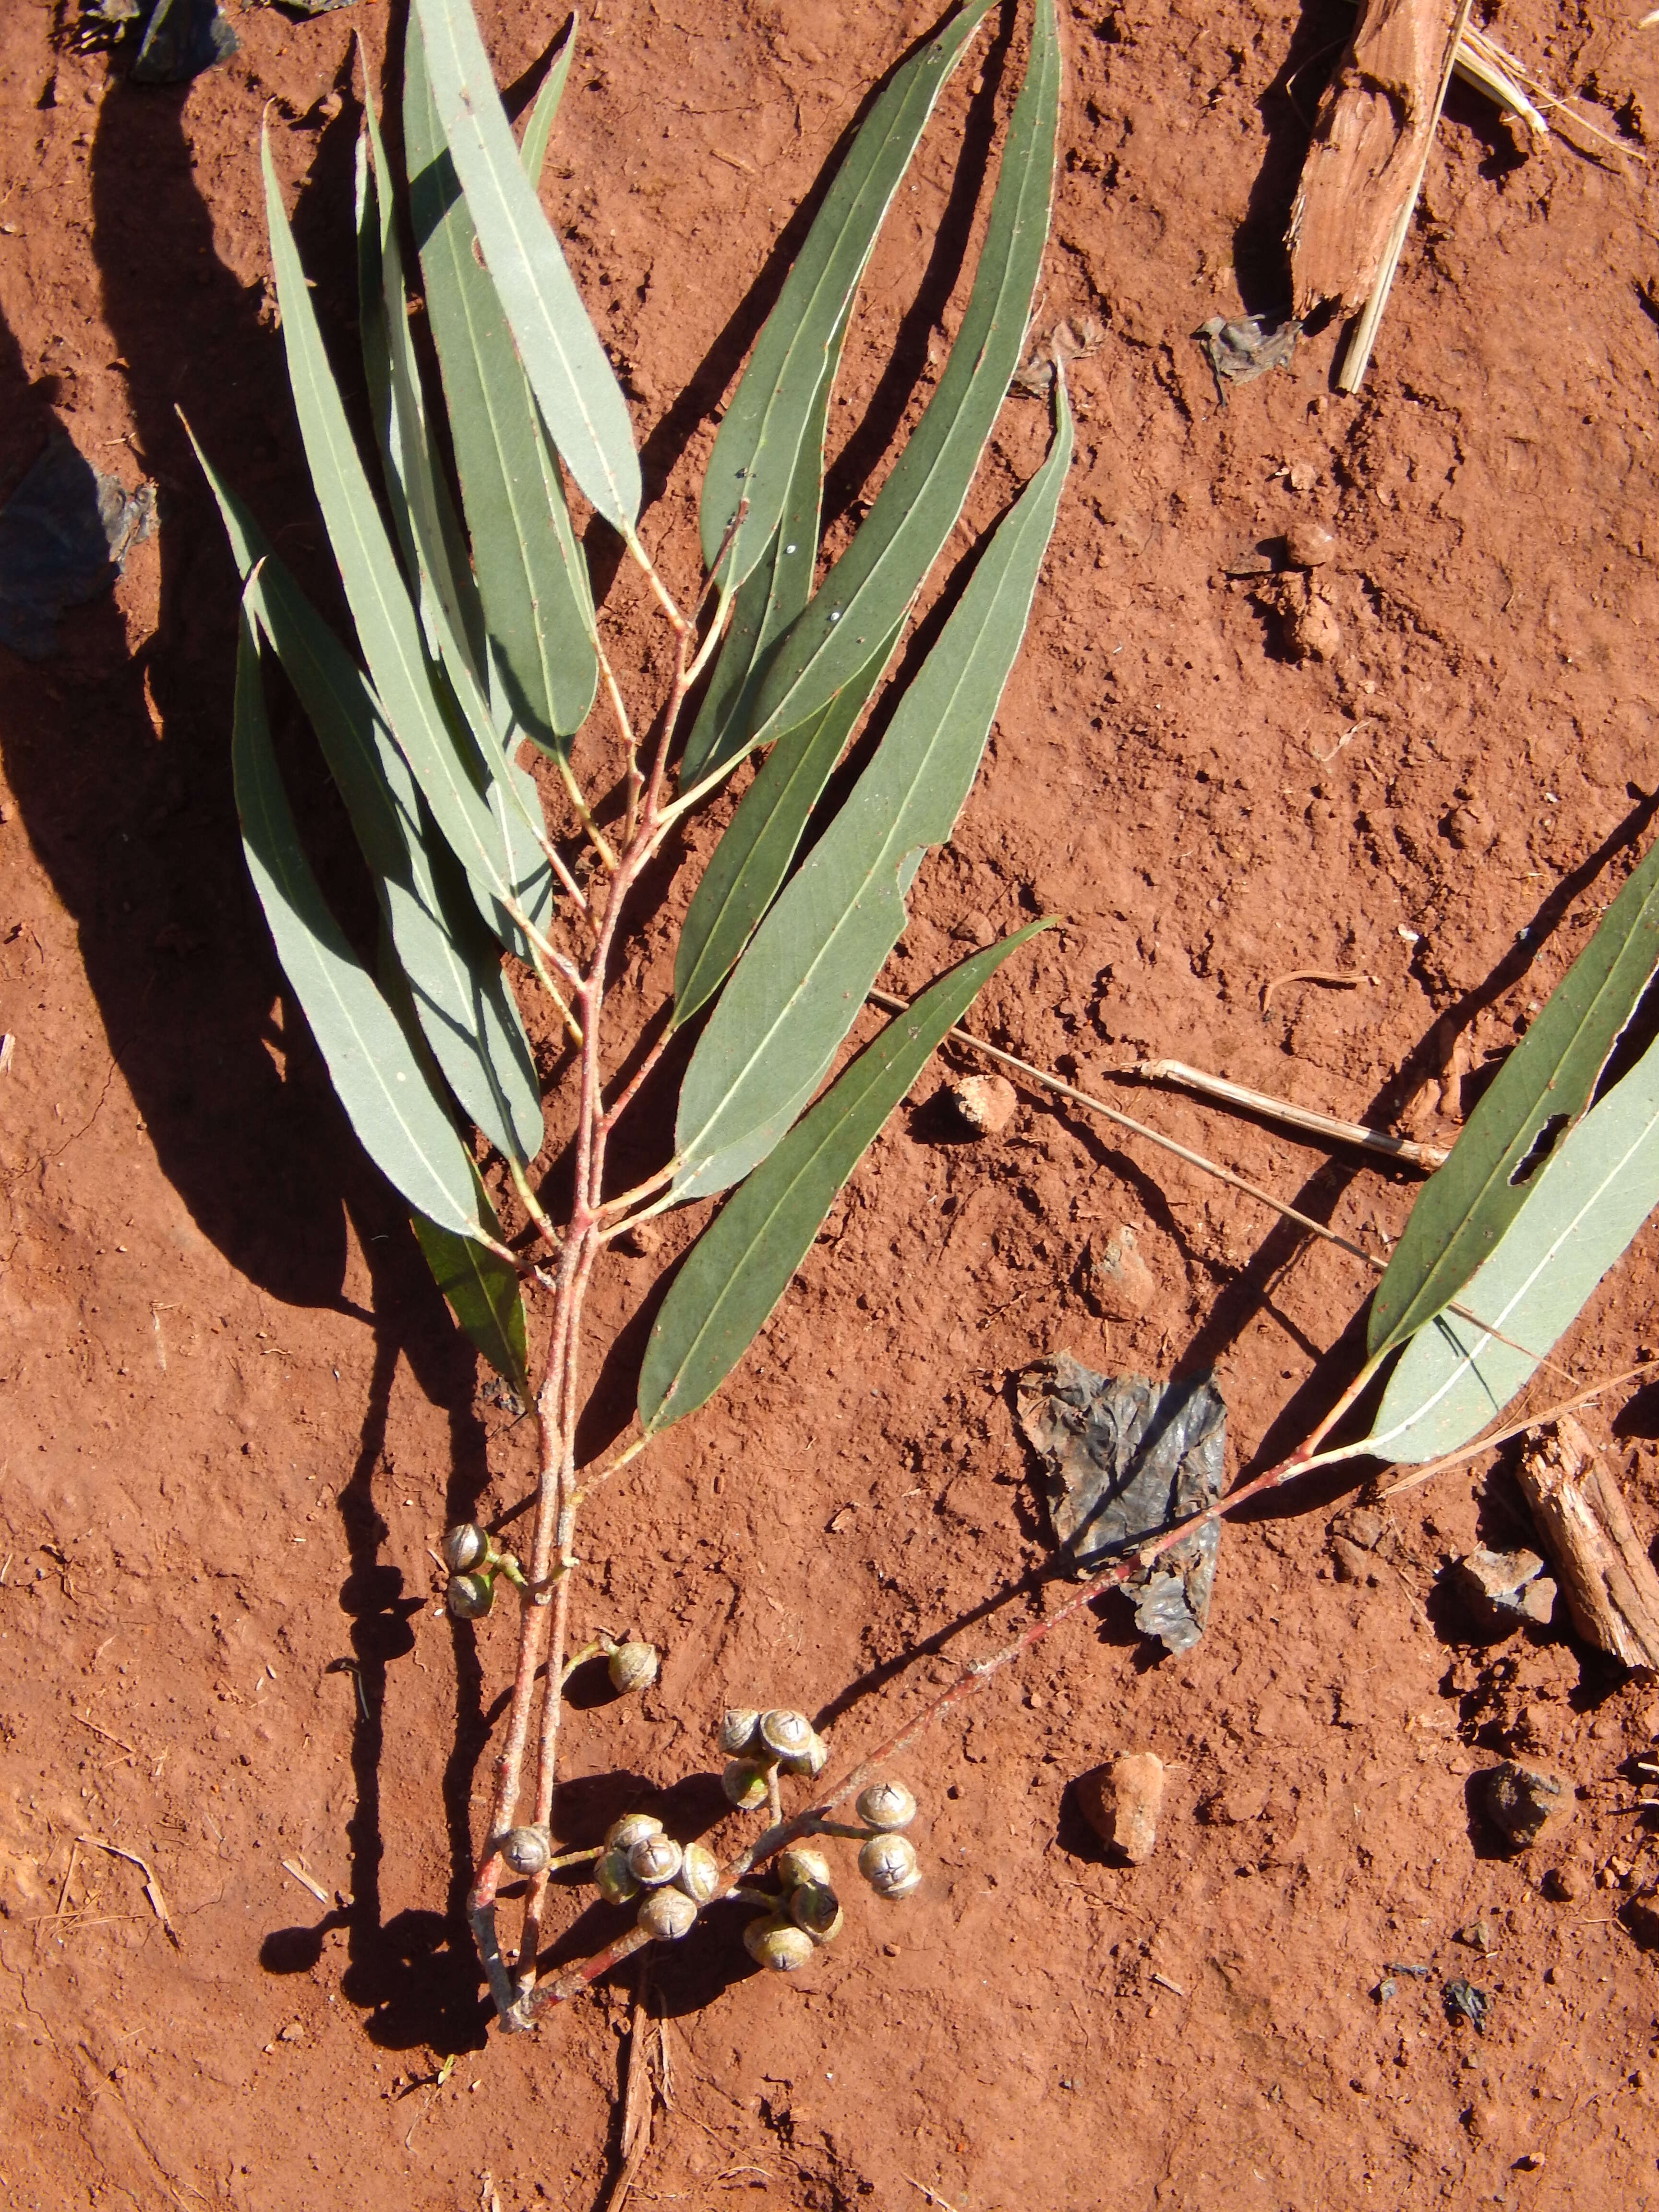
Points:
(236, 1417)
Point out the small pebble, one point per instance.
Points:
(1564, 1883)
(1307, 545)
(1503, 1591)
(1121, 1803)
(1525, 1800)
(1119, 1283)
(1477, 1936)
(986, 1103)
(293, 2032)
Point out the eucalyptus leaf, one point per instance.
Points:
(871, 587)
(483, 1290)
(1582, 1211)
(442, 759)
(756, 453)
(1546, 1082)
(423, 512)
(740, 1267)
(753, 856)
(452, 969)
(566, 365)
(401, 1123)
(773, 595)
(531, 574)
(799, 986)
(539, 129)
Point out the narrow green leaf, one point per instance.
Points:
(387, 629)
(1550, 1076)
(1582, 1211)
(755, 454)
(560, 349)
(533, 579)
(423, 514)
(403, 1126)
(741, 1265)
(753, 856)
(539, 129)
(871, 587)
(483, 1291)
(799, 986)
(776, 591)
(465, 1007)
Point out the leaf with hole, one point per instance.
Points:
(870, 589)
(1551, 1076)
(568, 372)
(740, 1267)
(799, 986)
(1581, 1211)
(403, 1126)
(761, 436)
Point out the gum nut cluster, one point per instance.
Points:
(807, 1914)
(887, 1859)
(673, 1880)
(759, 1744)
(473, 1562)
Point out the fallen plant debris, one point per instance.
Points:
(1126, 1460)
(1247, 347)
(1611, 1590)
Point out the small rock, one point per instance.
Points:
(640, 1241)
(1477, 1936)
(974, 928)
(1122, 1802)
(293, 2032)
(1353, 1564)
(1116, 1280)
(1301, 476)
(1307, 545)
(1641, 1917)
(1525, 1800)
(984, 1102)
(1564, 1883)
(1362, 1527)
(1503, 1591)
(1236, 1805)
(1530, 2161)
(1312, 631)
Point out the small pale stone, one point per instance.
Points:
(1503, 1589)
(1524, 1801)
(1119, 1283)
(1122, 1802)
(985, 1103)
(1307, 545)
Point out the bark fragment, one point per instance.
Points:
(1611, 1588)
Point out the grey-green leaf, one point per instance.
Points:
(753, 856)
(539, 129)
(741, 1265)
(558, 345)
(387, 630)
(454, 970)
(483, 1290)
(776, 591)
(403, 1126)
(799, 986)
(755, 454)
(1582, 1210)
(531, 574)
(1548, 1079)
(872, 586)
(434, 555)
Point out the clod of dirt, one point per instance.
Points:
(1525, 1801)
(640, 1240)
(1467, 830)
(1309, 545)
(985, 1104)
(1125, 1461)
(1312, 629)
(1566, 1883)
(1502, 1591)
(1353, 1564)
(1121, 1803)
(1116, 1280)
